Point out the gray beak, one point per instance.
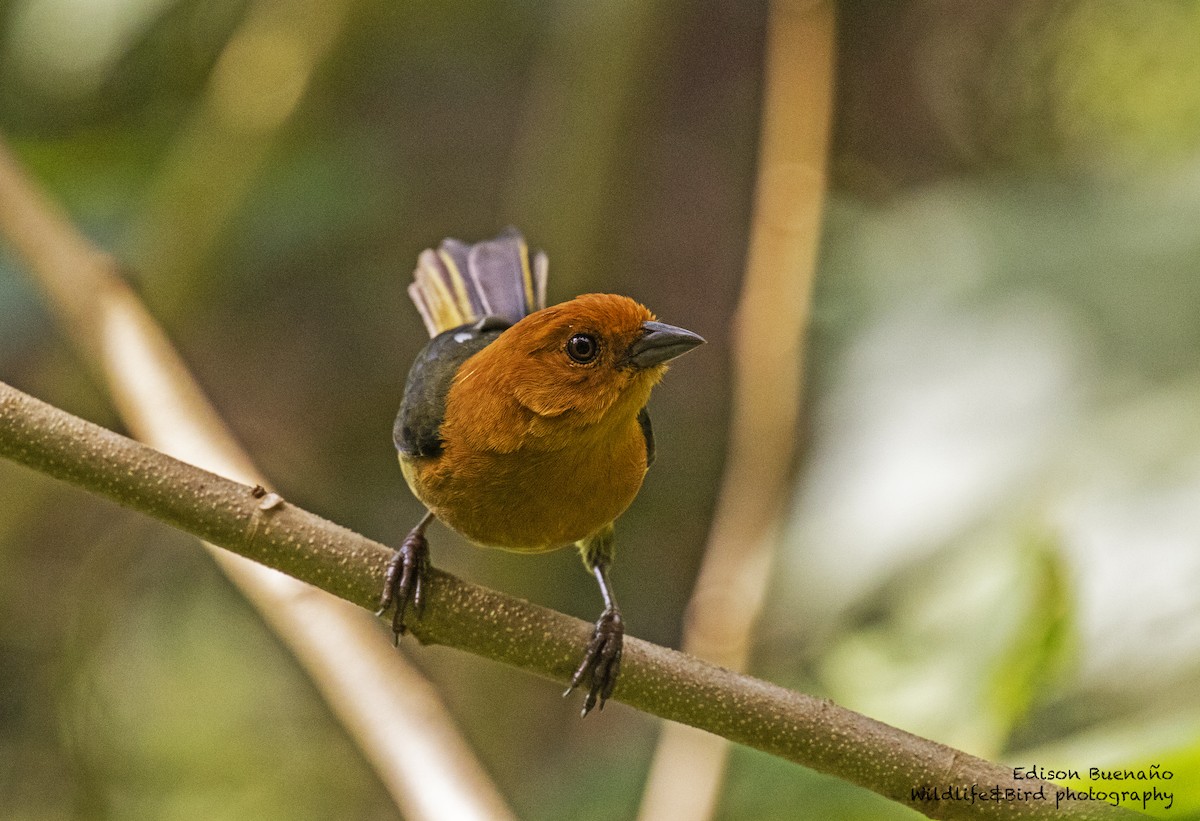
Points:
(661, 343)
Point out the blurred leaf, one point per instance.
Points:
(1039, 647)
(764, 788)
(959, 645)
(1183, 763)
(1160, 739)
(1110, 84)
(182, 705)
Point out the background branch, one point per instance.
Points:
(809, 731)
(686, 775)
(390, 711)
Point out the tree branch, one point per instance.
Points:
(388, 709)
(769, 331)
(809, 731)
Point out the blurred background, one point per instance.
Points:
(994, 539)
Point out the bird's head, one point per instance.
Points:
(594, 357)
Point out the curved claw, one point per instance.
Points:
(404, 581)
(601, 660)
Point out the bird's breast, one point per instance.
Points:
(532, 499)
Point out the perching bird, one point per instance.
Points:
(525, 427)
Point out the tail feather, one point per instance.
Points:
(459, 283)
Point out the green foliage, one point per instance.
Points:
(990, 542)
(961, 645)
(1041, 641)
(1004, 370)
(767, 789)
(180, 705)
(1116, 83)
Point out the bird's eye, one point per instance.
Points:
(583, 348)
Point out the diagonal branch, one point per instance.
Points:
(390, 711)
(809, 731)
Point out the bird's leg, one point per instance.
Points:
(404, 581)
(602, 659)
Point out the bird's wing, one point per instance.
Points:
(643, 418)
(417, 431)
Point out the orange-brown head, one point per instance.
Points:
(542, 440)
(584, 365)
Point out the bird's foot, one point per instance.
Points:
(405, 580)
(601, 661)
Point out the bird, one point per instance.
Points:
(524, 427)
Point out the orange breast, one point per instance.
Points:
(532, 500)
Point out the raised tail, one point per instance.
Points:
(458, 284)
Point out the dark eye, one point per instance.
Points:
(583, 348)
